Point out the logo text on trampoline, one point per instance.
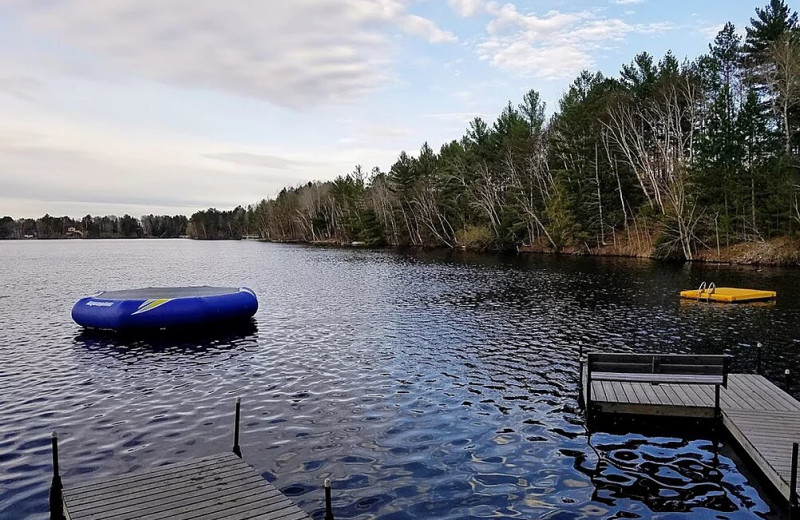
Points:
(99, 304)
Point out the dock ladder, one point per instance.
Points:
(707, 290)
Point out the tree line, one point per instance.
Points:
(153, 226)
(669, 157)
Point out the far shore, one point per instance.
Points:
(779, 251)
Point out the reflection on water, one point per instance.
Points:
(132, 346)
(424, 384)
(665, 475)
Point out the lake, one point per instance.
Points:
(426, 385)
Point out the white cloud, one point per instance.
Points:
(548, 62)
(292, 54)
(259, 160)
(628, 2)
(425, 28)
(507, 20)
(556, 45)
(466, 8)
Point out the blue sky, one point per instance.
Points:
(170, 106)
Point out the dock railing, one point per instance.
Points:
(658, 369)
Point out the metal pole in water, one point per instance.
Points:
(236, 449)
(56, 501)
(758, 358)
(787, 380)
(328, 506)
(793, 505)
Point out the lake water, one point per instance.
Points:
(426, 385)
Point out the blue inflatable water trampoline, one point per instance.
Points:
(165, 307)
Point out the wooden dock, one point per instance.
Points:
(763, 419)
(214, 487)
(219, 486)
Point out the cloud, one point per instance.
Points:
(508, 20)
(548, 62)
(21, 87)
(293, 54)
(258, 160)
(466, 8)
(556, 45)
(64, 165)
(425, 28)
(628, 2)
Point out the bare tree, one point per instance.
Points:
(784, 80)
(655, 136)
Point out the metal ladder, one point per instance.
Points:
(707, 289)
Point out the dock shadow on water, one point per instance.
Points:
(425, 385)
(652, 465)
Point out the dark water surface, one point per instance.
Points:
(425, 385)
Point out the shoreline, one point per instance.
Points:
(773, 252)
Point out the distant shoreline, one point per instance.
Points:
(776, 252)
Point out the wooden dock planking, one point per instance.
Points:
(761, 417)
(216, 487)
(767, 438)
(744, 392)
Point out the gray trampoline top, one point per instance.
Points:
(154, 293)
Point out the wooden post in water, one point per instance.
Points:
(794, 507)
(56, 500)
(580, 372)
(588, 399)
(758, 358)
(236, 449)
(328, 506)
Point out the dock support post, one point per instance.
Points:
(588, 403)
(328, 506)
(758, 358)
(787, 381)
(794, 506)
(580, 373)
(236, 449)
(717, 414)
(56, 500)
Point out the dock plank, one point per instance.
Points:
(630, 394)
(209, 488)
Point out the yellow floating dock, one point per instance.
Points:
(728, 295)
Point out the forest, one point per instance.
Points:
(666, 160)
(670, 159)
(152, 226)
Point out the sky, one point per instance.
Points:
(172, 106)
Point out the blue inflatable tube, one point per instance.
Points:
(165, 307)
